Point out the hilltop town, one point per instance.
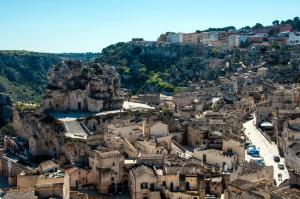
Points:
(226, 127)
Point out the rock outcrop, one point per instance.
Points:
(74, 86)
(6, 110)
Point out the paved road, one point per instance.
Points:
(267, 149)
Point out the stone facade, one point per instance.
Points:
(74, 86)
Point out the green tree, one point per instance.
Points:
(258, 26)
(296, 23)
(275, 23)
(245, 29)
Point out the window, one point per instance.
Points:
(164, 183)
(204, 158)
(144, 185)
(113, 164)
(112, 179)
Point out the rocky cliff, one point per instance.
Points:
(74, 86)
(6, 109)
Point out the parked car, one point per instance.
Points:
(276, 158)
(280, 165)
(279, 177)
(253, 151)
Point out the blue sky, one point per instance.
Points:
(90, 25)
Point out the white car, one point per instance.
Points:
(280, 165)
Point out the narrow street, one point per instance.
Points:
(267, 149)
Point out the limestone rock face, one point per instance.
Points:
(74, 86)
(6, 110)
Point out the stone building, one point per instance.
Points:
(291, 143)
(238, 189)
(74, 86)
(143, 183)
(252, 172)
(77, 179)
(107, 170)
(217, 158)
(155, 129)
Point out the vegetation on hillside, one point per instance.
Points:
(170, 68)
(23, 74)
(161, 68)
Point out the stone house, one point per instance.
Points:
(228, 86)
(251, 90)
(182, 178)
(239, 188)
(107, 170)
(233, 144)
(169, 105)
(151, 99)
(130, 131)
(216, 186)
(45, 185)
(113, 142)
(245, 107)
(48, 166)
(279, 118)
(291, 143)
(217, 158)
(77, 179)
(263, 112)
(213, 140)
(185, 98)
(197, 132)
(149, 147)
(251, 172)
(143, 183)
(217, 125)
(232, 123)
(284, 99)
(155, 129)
(188, 179)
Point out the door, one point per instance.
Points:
(187, 185)
(171, 186)
(79, 106)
